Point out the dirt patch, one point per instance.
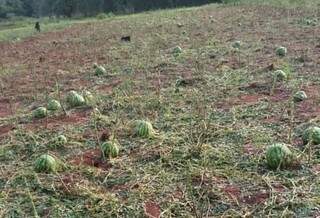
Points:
(68, 182)
(255, 198)
(57, 121)
(6, 107)
(91, 158)
(6, 129)
(107, 88)
(307, 110)
(250, 149)
(152, 209)
(250, 99)
(280, 94)
(232, 191)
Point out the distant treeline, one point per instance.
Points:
(70, 8)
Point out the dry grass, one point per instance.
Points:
(208, 157)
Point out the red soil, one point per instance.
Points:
(152, 209)
(91, 158)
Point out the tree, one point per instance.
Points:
(71, 8)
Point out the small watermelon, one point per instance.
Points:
(279, 156)
(280, 75)
(54, 105)
(281, 51)
(40, 112)
(46, 164)
(143, 129)
(300, 96)
(75, 100)
(110, 149)
(311, 134)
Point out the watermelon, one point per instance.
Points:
(236, 44)
(299, 96)
(61, 140)
(281, 51)
(143, 129)
(99, 70)
(40, 112)
(54, 105)
(110, 149)
(89, 98)
(279, 156)
(46, 164)
(312, 134)
(280, 75)
(177, 50)
(75, 100)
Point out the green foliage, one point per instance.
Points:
(101, 16)
(279, 156)
(96, 8)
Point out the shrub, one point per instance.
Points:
(279, 156)
(312, 134)
(75, 100)
(40, 112)
(101, 16)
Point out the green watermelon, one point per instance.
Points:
(280, 75)
(281, 51)
(89, 98)
(99, 70)
(299, 96)
(40, 112)
(61, 140)
(177, 50)
(75, 100)
(46, 164)
(236, 44)
(110, 149)
(279, 156)
(143, 129)
(311, 134)
(54, 105)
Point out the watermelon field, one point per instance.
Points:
(209, 111)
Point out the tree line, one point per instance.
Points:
(70, 8)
